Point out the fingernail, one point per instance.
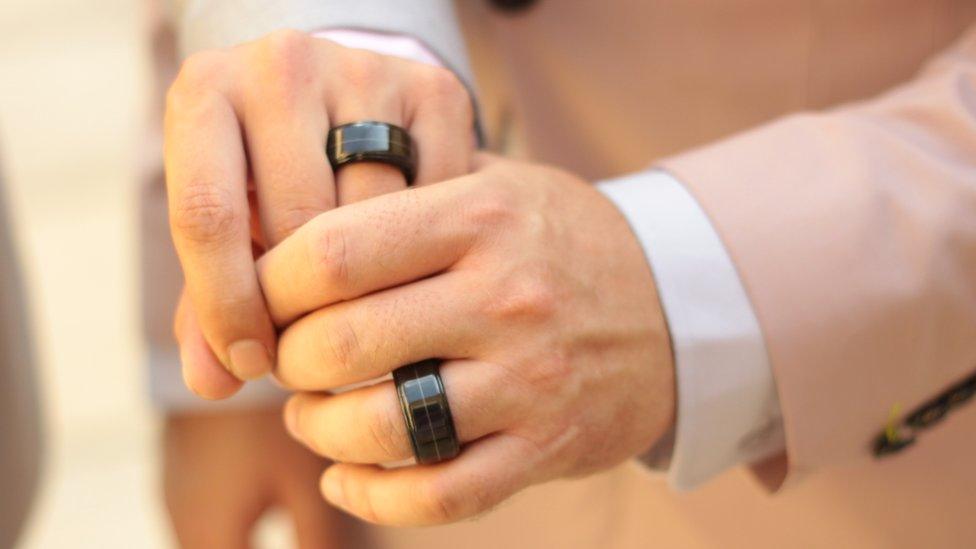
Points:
(332, 490)
(249, 359)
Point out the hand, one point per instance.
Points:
(532, 286)
(223, 470)
(261, 112)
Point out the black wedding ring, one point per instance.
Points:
(369, 141)
(424, 403)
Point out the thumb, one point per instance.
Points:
(202, 371)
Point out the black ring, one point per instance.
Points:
(425, 409)
(369, 141)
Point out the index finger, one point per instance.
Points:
(209, 218)
(368, 246)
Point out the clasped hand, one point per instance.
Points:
(523, 278)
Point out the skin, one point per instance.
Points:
(534, 289)
(245, 133)
(523, 277)
(249, 465)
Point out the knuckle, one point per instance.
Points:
(285, 62)
(361, 69)
(551, 373)
(190, 111)
(204, 214)
(529, 296)
(200, 71)
(493, 207)
(287, 46)
(330, 259)
(443, 503)
(290, 219)
(342, 347)
(543, 446)
(442, 85)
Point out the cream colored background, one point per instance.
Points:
(73, 77)
(71, 87)
(71, 83)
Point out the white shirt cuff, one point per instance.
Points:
(728, 409)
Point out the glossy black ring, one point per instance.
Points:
(369, 141)
(425, 409)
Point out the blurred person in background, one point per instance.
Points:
(811, 273)
(211, 448)
(20, 425)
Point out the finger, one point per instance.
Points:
(206, 183)
(365, 89)
(199, 485)
(202, 372)
(442, 125)
(367, 425)
(319, 525)
(366, 338)
(198, 525)
(486, 473)
(286, 125)
(227, 530)
(362, 248)
(362, 180)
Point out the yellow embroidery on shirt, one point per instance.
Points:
(891, 430)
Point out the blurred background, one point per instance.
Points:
(73, 90)
(74, 93)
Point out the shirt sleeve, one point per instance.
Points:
(207, 24)
(727, 406)
(853, 230)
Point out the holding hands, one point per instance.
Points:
(525, 280)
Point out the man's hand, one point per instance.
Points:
(257, 116)
(223, 470)
(533, 288)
